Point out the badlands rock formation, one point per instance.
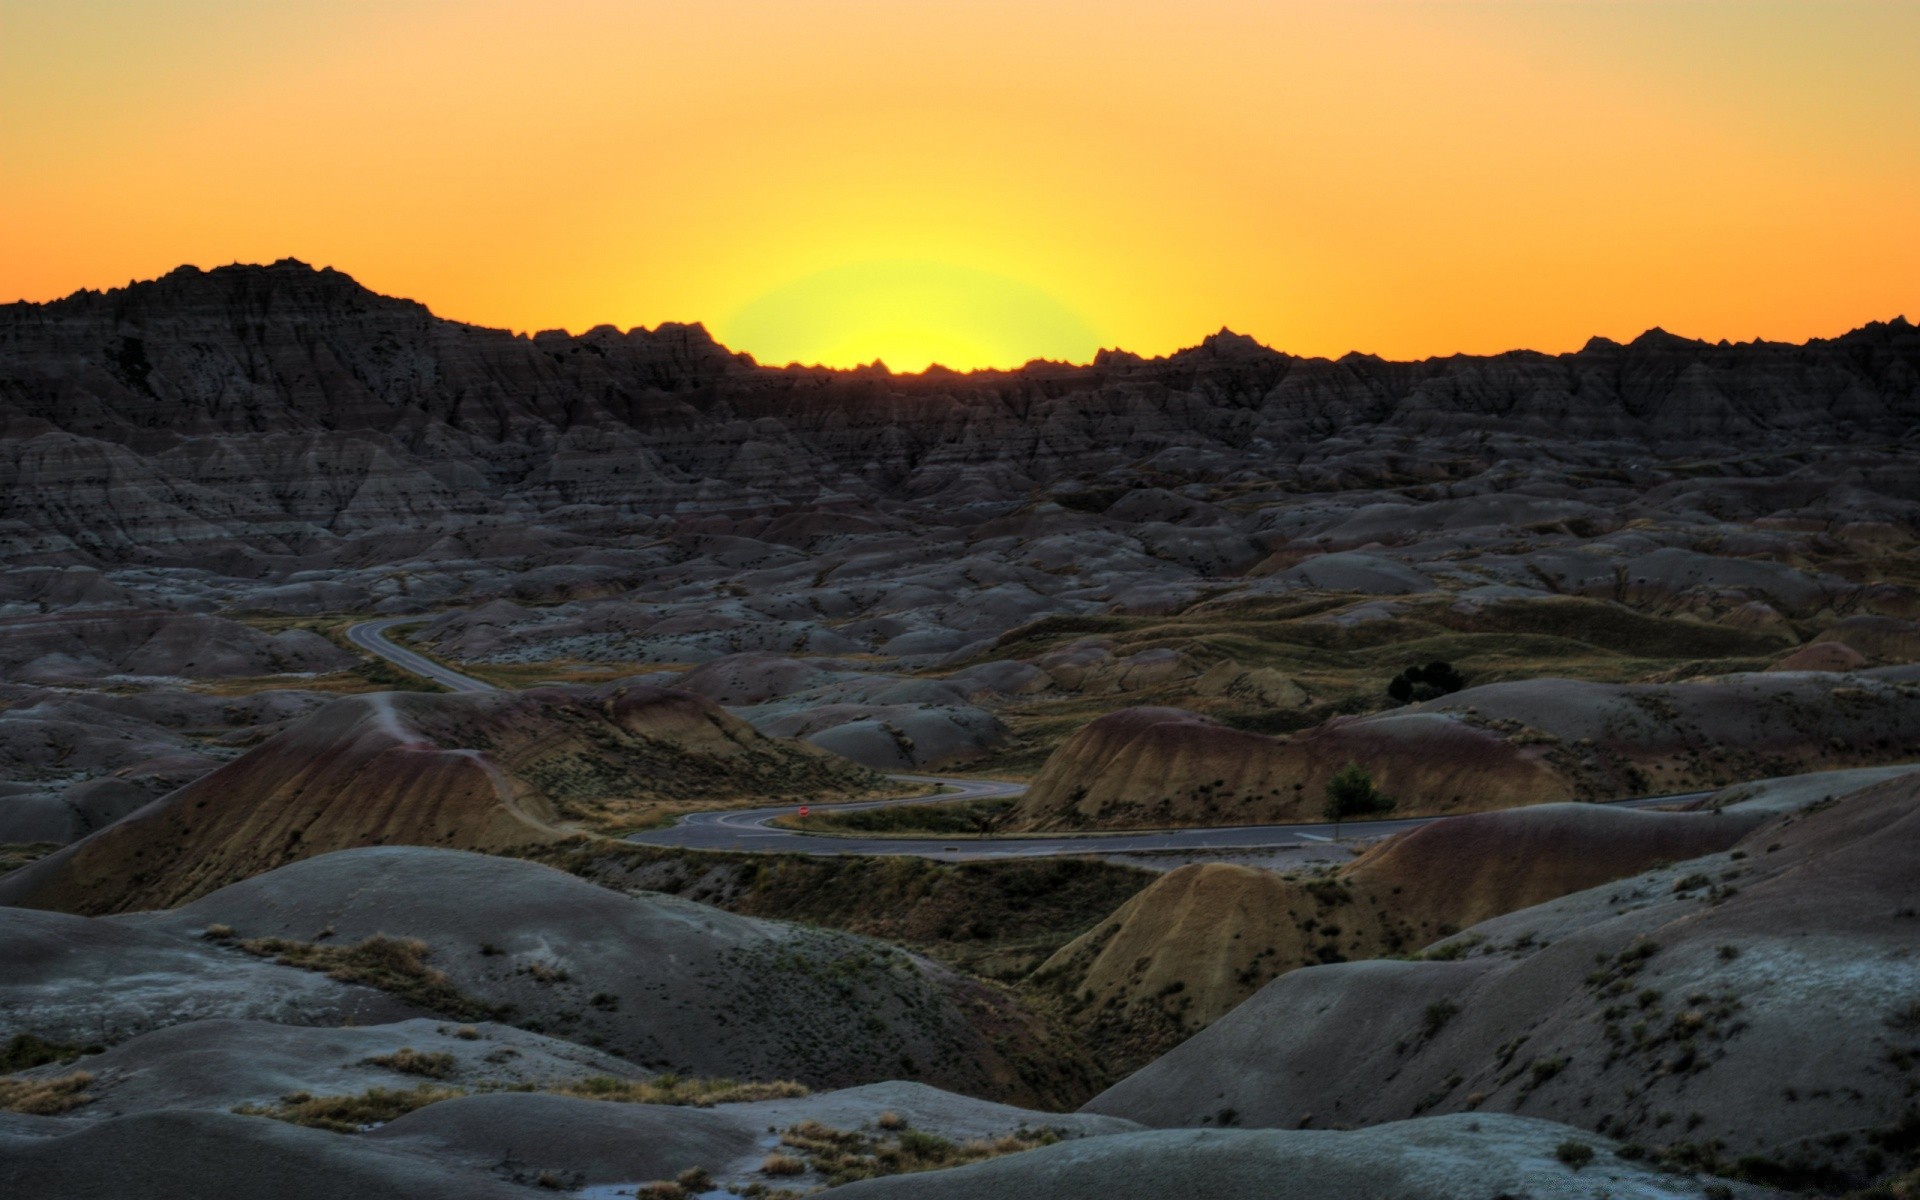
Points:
(1676, 1009)
(1171, 591)
(1202, 938)
(1497, 746)
(277, 414)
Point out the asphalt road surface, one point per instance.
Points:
(371, 636)
(752, 828)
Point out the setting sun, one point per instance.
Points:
(909, 315)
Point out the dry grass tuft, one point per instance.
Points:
(45, 1097)
(409, 1061)
(782, 1164)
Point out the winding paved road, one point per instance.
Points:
(371, 636)
(753, 828)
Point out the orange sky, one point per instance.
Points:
(984, 181)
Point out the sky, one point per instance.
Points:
(982, 182)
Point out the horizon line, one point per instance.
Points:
(1654, 333)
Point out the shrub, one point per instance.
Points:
(1437, 1015)
(1574, 1154)
(1430, 682)
(1350, 793)
(23, 1051)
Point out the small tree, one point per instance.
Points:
(1430, 682)
(1350, 793)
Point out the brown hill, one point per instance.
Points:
(1752, 1010)
(1165, 766)
(1491, 747)
(485, 771)
(1199, 940)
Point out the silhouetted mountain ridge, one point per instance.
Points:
(286, 407)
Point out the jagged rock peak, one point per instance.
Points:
(1659, 339)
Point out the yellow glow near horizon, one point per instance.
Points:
(909, 315)
(1407, 177)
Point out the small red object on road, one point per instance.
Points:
(803, 810)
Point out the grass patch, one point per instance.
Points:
(350, 1114)
(376, 1106)
(395, 965)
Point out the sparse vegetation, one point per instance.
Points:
(396, 965)
(678, 1090)
(841, 1156)
(409, 1061)
(14, 855)
(375, 1106)
(350, 1114)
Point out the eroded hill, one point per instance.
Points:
(489, 771)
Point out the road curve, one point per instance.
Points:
(752, 829)
(371, 636)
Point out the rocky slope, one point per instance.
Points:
(1448, 1158)
(1674, 1010)
(1202, 938)
(664, 983)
